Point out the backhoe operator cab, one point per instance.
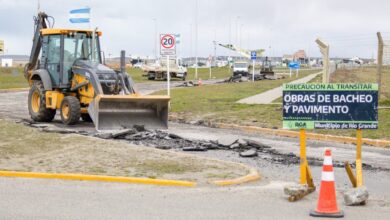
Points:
(70, 76)
(63, 48)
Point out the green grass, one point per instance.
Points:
(218, 102)
(204, 73)
(12, 77)
(366, 75)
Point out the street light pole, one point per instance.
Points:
(155, 38)
(237, 21)
(196, 39)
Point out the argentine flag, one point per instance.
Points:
(81, 15)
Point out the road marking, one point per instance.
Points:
(119, 179)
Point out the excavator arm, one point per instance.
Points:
(243, 52)
(40, 22)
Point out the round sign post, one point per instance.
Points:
(167, 48)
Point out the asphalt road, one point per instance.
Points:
(48, 199)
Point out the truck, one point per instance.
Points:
(240, 68)
(158, 70)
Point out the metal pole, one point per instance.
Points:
(380, 62)
(302, 137)
(237, 21)
(168, 78)
(93, 41)
(191, 42)
(123, 61)
(155, 38)
(253, 70)
(210, 69)
(359, 174)
(196, 40)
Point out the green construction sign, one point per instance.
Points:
(330, 106)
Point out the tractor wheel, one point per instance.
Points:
(86, 117)
(37, 104)
(70, 110)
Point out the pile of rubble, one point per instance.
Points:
(244, 147)
(240, 78)
(138, 135)
(188, 84)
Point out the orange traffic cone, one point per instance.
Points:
(327, 204)
(200, 82)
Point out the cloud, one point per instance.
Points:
(281, 27)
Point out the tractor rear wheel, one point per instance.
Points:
(70, 110)
(37, 104)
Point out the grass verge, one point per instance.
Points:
(12, 77)
(27, 149)
(217, 103)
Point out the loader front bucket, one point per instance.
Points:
(115, 112)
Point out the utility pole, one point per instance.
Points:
(215, 52)
(155, 38)
(196, 39)
(324, 49)
(241, 27)
(191, 42)
(380, 62)
(237, 26)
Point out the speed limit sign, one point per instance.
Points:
(167, 44)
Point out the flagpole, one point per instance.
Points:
(90, 17)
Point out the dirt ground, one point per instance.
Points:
(27, 149)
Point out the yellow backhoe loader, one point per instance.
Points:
(66, 73)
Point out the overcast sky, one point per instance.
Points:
(280, 27)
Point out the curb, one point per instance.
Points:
(251, 177)
(119, 179)
(312, 136)
(13, 90)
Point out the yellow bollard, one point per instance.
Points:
(359, 172)
(303, 164)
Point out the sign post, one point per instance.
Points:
(210, 60)
(294, 65)
(330, 106)
(168, 48)
(253, 58)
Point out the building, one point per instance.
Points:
(14, 60)
(300, 56)
(6, 62)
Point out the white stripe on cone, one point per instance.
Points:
(327, 176)
(328, 160)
